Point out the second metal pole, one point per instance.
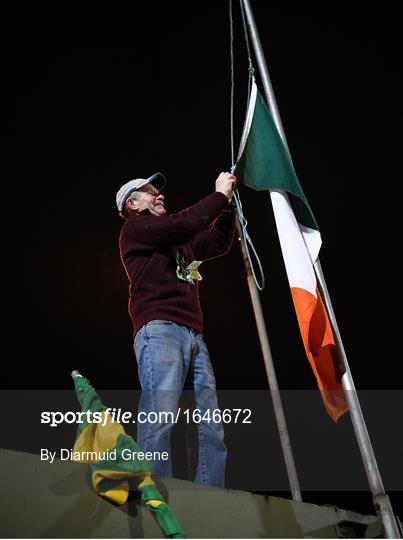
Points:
(272, 378)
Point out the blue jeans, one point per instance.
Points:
(168, 356)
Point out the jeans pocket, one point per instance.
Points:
(158, 328)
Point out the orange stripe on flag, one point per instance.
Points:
(320, 348)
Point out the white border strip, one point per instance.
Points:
(248, 119)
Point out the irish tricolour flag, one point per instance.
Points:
(264, 164)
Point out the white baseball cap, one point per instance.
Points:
(157, 180)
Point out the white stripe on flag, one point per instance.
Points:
(249, 118)
(297, 259)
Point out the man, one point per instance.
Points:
(161, 254)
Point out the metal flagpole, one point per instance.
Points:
(380, 498)
(260, 323)
(271, 375)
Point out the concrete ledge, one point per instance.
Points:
(43, 500)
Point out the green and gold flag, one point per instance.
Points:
(103, 444)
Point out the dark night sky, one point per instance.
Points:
(98, 96)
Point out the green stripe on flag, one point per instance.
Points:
(89, 400)
(266, 164)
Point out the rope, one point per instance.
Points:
(247, 241)
(251, 69)
(231, 30)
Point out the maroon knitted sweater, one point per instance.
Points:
(148, 248)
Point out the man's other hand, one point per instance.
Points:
(225, 184)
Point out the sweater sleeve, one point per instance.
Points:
(151, 232)
(218, 239)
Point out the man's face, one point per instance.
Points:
(149, 198)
